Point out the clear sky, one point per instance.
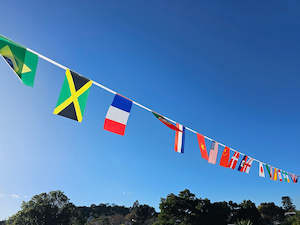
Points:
(228, 69)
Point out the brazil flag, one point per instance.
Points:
(23, 62)
(73, 96)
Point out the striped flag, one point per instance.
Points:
(294, 177)
(117, 115)
(261, 170)
(270, 171)
(275, 174)
(286, 176)
(213, 153)
(234, 159)
(179, 138)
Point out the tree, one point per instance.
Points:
(271, 212)
(247, 211)
(53, 208)
(287, 204)
(292, 220)
(140, 214)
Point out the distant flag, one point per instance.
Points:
(117, 115)
(245, 164)
(225, 157)
(165, 121)
(294, 177)
(261, 170)
(275, 174)
(270, 171)
(202, 146)
(179, 138)
(285, 176)
(73, 96)
(234, 159)
(213, 152)
(279, 175)
(22, 61)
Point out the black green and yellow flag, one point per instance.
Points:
(23, 62)
(73, 96)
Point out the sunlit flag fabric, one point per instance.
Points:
(294, 177)
(117, 115)
(245, 164)
(270, 171)
(285, 176)
(225, 157)
(279, 175)
(73, 96)
(165, 121)
(202, 146)
(234, 159)
(261, 170)
(179, 138)
(213, 152)
(275, 174)
(23, 62)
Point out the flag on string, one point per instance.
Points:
(279, 175)
(234, 159)
(275, 174)
(270, 171)
(22, 61)
(213, 152)
(285, 176)
(165, 121)
(245, 165)
(73, 96)
(225, 157)
(261, 170)
(179, 138)
(117, 115)
(294, 177)
(202, 146)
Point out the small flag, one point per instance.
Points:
(225, 157)
(22, 61)
(202, 146)
(213, 152)
(261, 170)
(73, 96)
(275, 174)
(234, 160)
(245, 164)
(117, 115)
(286, 176)
(294, 177)
(279, 175)
(179, 138)
(270, 171)
(165, 121)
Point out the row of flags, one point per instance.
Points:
(72, 102)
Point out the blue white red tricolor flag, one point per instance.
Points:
(179, 138)
(117, 115)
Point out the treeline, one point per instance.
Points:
(55, 208)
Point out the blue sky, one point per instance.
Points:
(228, 69)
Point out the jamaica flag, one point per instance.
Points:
(73, 96)
(22, 61)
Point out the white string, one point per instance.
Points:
(136, 103)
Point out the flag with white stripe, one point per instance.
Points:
(261, 170)
(213, 152)
(179, 138)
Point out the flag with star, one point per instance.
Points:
(22, 61)
(73, 96)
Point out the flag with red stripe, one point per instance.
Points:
(233, 161)
(179, 138)
(117, 115)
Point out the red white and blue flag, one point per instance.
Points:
(117, 115)
(245, 164)
(179, 138)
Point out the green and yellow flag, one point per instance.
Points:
(73, 96)
(23, 62)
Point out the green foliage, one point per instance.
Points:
(292, 220)
(271, 212)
